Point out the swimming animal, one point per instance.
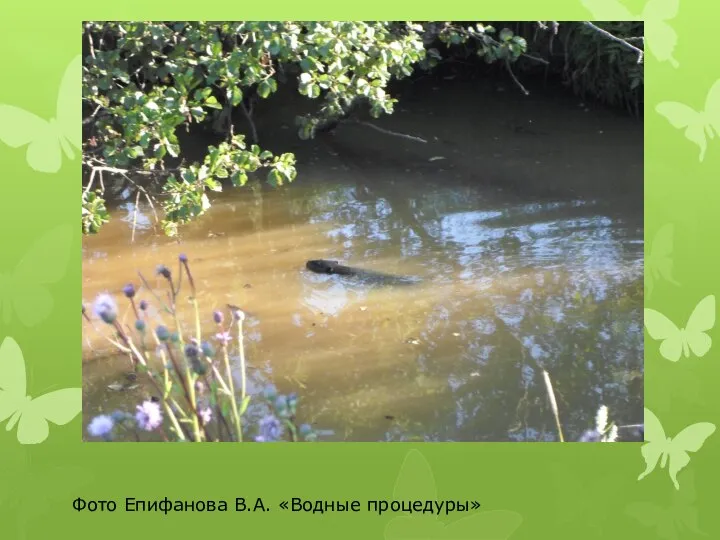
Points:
(322, 266)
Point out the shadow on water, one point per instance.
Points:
(524, 219)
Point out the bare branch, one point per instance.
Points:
(248, 116)
(126, 174)
(135, 215)
(515, 79)
(388, 132)
(90, 44)
(623, 42)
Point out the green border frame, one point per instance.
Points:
(525, 490)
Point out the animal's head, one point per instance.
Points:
(321, 266)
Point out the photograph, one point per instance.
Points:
(363, 231)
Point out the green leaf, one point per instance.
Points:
(239, 178)
(264, 89)
(212, 102)
(134, 152)
(305, 131)
(202, 94)
(173, 149)
(506, 34)
(236, 96)
(160, 151)
(274, 178)
(213, 185)
(243, 405)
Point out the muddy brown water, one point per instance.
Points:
(523, 216)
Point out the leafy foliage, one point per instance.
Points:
(604, 69)
(143, 82)
(94, 212)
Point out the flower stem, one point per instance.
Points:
(553, 404)
(222, 421)
(163, 393)
(189, 392)
(233, 399)
(241, 347)
(293, 430)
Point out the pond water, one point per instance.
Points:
(523, 216)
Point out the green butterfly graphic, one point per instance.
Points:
(680, 341)
(699, 126)
(47, 140)
(31, 415)
(672, 451)
(24, 291)
(681, 516)
(416, 482)
(660, 37)
(659, 262)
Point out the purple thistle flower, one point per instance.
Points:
(206, 415)
(218, 317)
(281, 406)
(105, 308)
(191, 351)
(292, 400)
(270, 392)
(162, 332)
(198, 366)
(129, 290)
(143, 305)
(238, 314)
(590, 435)
(101, 426)
(148, 416)
(184, 261)
(223, 337)
(163, 271)
(271, 429)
